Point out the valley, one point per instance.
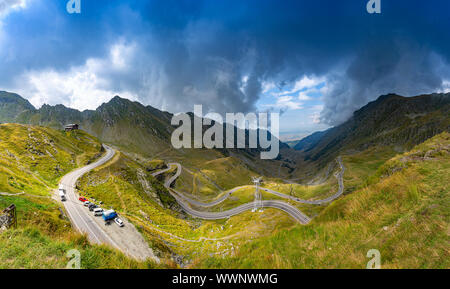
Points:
(338, 191)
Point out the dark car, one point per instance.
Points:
(92, 207)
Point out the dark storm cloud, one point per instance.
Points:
(403, 68)
(219, 53)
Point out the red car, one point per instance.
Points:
(82, 199)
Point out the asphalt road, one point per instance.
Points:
(77, 213)
(183, 202)
(339, 176)
(162, 171)
(169, 182)
(127, 239)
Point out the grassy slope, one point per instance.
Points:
(32, 161)
(226, 172)
(33, 158)
(170, 233)
(402, 212)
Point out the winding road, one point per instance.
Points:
(126, 239)
(340, 178)
(183, 202)
(172, 179)
(77, 214)
(131, 242)
(291, 210)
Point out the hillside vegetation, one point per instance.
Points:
(126, 184)
(132, 127)
(402, 211)
(394, 198)
(391, 120)
(33, 159)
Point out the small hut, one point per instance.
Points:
(71, 127)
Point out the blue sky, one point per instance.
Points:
(315, 62)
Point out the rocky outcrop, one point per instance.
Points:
(5, 222)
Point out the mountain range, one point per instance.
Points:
(130, 126)
(391, 120)
(391, 196)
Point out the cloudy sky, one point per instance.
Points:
(313, 61)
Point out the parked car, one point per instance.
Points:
(82, 199)
(98, 212)
(92, 207)
(109, 215)
(62, 195)
(119, 222)
(87, 203)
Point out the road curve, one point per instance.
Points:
(126, 239)
(339, 176)
(77, 214)
(161, 171)
(169, 182)
(183, 202)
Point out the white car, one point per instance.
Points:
(86, 204)
(119, 222)
(62, 195)
(98, 212)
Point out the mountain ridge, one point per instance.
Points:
(134, 128)
(390, 120)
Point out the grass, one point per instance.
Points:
(33, 159)
(227, 173)
(117, 185)
(29, 248)
(360, 166)
(397, 207)
(167, 231)
(403, 213)
(306, 192)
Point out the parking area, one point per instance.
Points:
(126, 235)
(109, 216)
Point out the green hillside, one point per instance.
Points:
(390, 199)
(402, 211)
(32, 161)
(125, 184)
(134, 128)
(34, 158)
